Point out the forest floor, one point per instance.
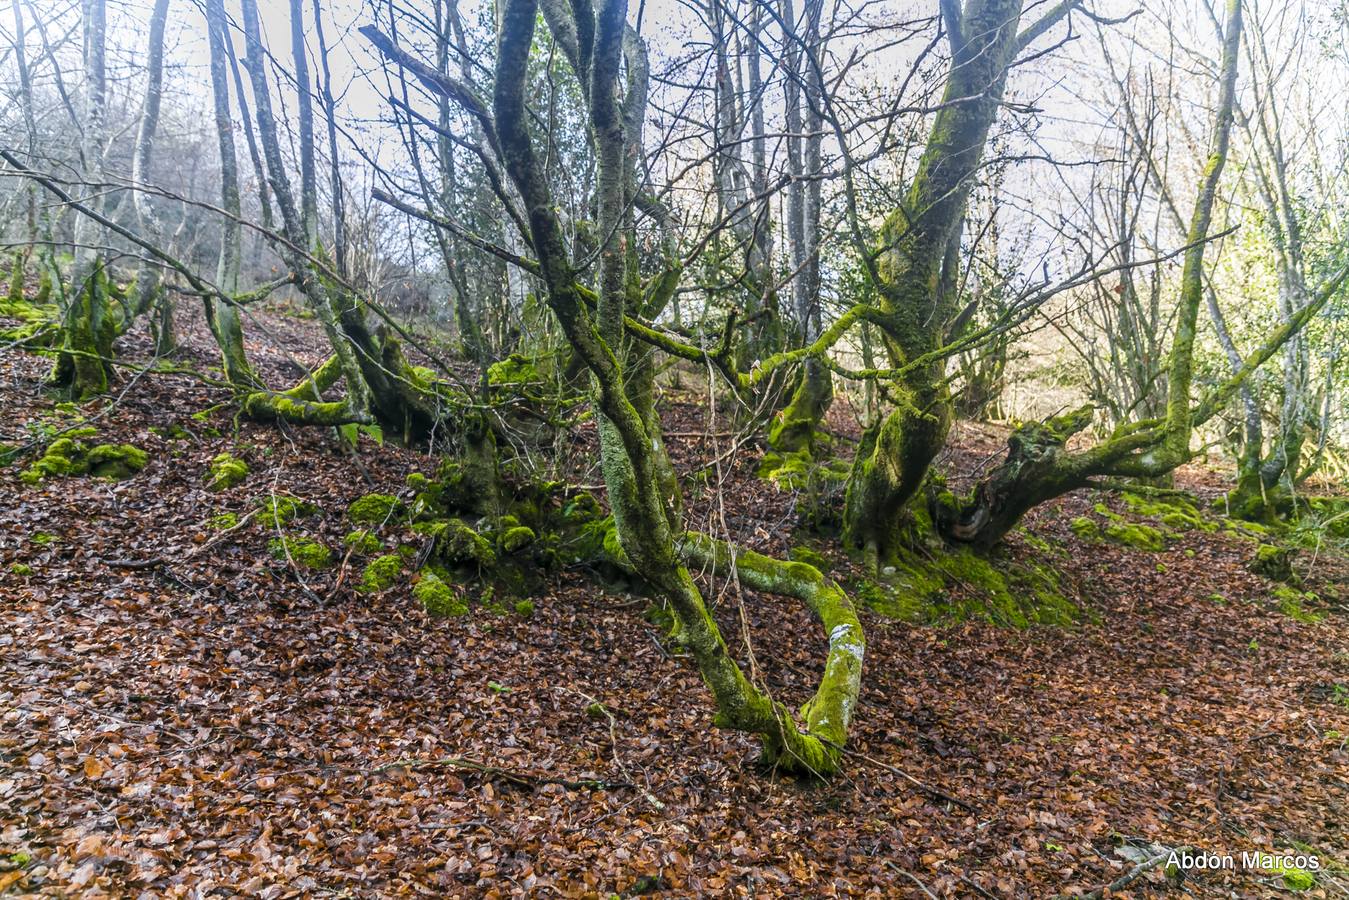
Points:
(181, 714)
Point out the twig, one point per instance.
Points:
(523, 779)
(243, 520)
(1132, 875)
(613, 743)
(135, 563)
(914, 878)
(930, 791)
(980, 891)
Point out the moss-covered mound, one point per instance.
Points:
(510, 545)
(66, 457)
(800, 471)
(375, 509)
(225, 471)
(223, 521)
(363, 542)
(381, 573)
(437, 597)
(1174, 510)
(304, 552)
(1116, 529)
(279, 510)
(37, 321)
(943, 585)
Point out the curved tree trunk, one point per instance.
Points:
(913, 271)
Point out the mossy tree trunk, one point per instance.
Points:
(221, 316)
(83, 361)
(1038, 467)
(150, 293)
(915, 276)
(641, 494)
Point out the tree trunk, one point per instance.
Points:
(222, 317)
(149, 291)
(83, 362)
(911, 267)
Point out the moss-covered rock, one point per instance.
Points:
(116, 461)
(374, 509)
(303, 551)
(62, 458)
(279, 509)
(363, 542)
(524, 608)
(381, 573)
(516, 538)
(66, 457)
(1136, 535)
(457, 545)
(1273, 562)
(225, 471)
(437, 597)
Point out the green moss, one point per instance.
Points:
(1085, 527)
(437, 597)
(21, 569)
(517, 538)
(422, 378)
(1139, 536)
(945, 586)
(515, 369)
(613, 546)
(65, 457)
(62, 458)
(303, 551)
(1297, 879)
(222, 521)
(1180, 514)
(374, 509)
(280, 509)
(116, 461)
(1291, 603)
(381, 573)
(363, 542)
(1248, 531)
(174, 432)
(789, 471)
(44, 538)
(524, 608)
(225, 471)
(1273, 562)
(810, 557)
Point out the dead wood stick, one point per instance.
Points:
(1131, 876)
(523, 779)
(929, 791)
